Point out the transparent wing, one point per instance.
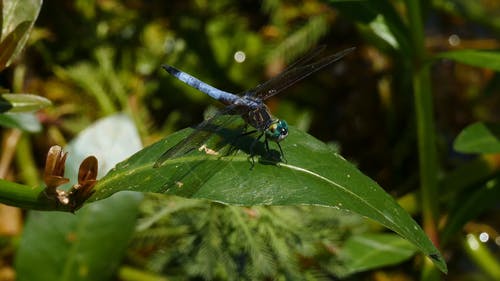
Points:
(306, 58)
(199, 136)
(203, 154)
(296, 72)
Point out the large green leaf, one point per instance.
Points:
(18, 17)
(368, 251)
(90, 244)
(313, 174)
(85, 246)
(486, 59)
(479, 138)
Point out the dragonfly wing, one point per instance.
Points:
(293, 74)
(190, 164)
(199, 136)
(306, 58)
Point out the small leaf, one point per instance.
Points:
(380, 28)
(23, 102)
(479, 138)
(23, 121)
(375, 250)
(312, 175)
(479, 58)
(9, 44)
(18, 18)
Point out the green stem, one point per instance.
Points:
(19, 195)
(27, 197)
(425, 127)
(425, 122)
(427, 151)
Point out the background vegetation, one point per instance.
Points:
(422, 72)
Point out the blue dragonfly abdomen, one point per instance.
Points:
(251, 109)
(222, 96)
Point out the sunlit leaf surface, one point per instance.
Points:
(312, 174)
(486, 59)
(23, 102)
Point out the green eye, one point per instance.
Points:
(277, 131)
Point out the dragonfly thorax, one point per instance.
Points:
(249, 101)
(277, 131)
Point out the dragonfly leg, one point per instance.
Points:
(266, 143)
(252, 154)
(248, 133)
(282, 155)
(281, 151)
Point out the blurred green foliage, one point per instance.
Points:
(95, 58)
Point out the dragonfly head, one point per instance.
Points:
(277, 131)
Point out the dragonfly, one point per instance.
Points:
(249, 105)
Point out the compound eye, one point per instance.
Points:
(284, 131)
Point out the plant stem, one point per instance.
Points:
(21, 196)
(427, 151)
(425, 125)
(29, 197)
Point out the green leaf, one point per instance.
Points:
(9, 45)
(18, 18)
(368, 251)
(90, 244)
(24, 121)
(381, 29)
(23, 102)
(486, 59)
(313, 174)
(470, 205)
(479, 138)
(85, 246)
(382, 18)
